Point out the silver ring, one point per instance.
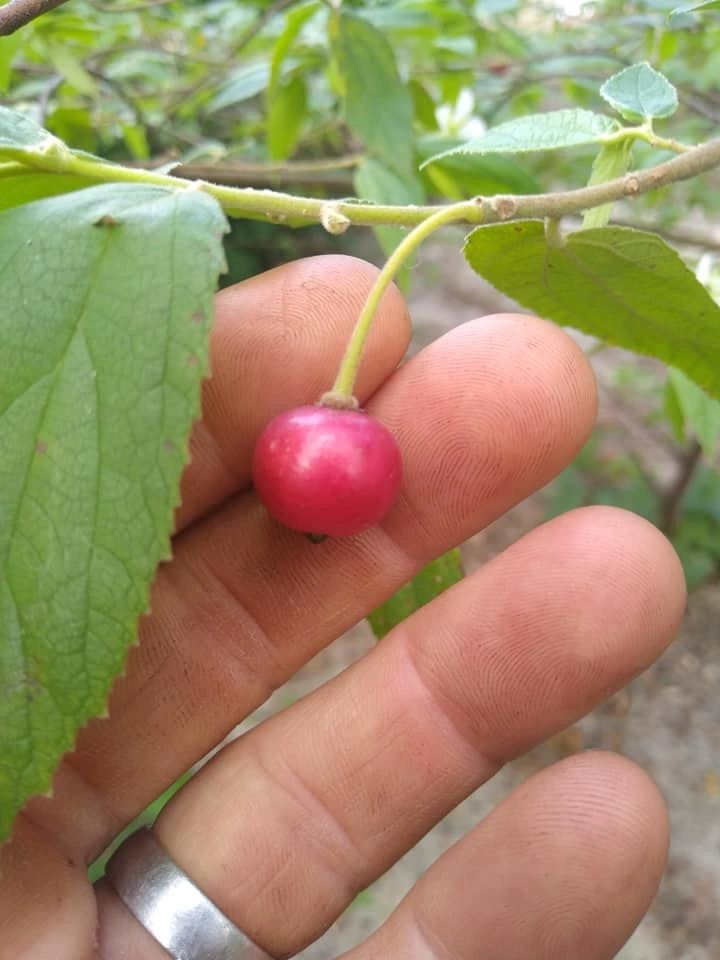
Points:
(171, 908)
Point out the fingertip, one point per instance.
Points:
(615, 800)
(637, 558)
(509, 400)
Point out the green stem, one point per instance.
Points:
(347, 374)
(53, 157)
(235, 201)
(645, 132)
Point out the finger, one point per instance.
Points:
(277, 341)
(287, 824)
(483, 416)
(564, 868)
(47, 907)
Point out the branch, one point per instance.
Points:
(670, 506)
(16, 13)
(318, 173)
(283, 206)
(240, 176)
(698, 105)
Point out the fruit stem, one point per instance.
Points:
(347, 374)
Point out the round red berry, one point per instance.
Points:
(326, 471)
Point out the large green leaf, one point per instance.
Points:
(624, 286)
(539, 131)
(106, 301)
(435, 578)
(378, 105)
(640, 93)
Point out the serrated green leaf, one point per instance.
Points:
(107, 298)
(28, 185)
(700, 412)
(624, 286)
(437, 577)
(288, 110)
(539, 131)
(640, 93)
(377, 104)
(475, 175)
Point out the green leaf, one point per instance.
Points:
(245, 83)
(673, 411)
(378, 106)
(294, 22)
(701, 7)
(70, 68)
(624, 286)
(428, 584)
(135, 137)
(700, 412)
(288, 110)
(74, 126)
(107, 298)
(640, 93)
(27, 185)
(18, 134)
(613, 160)
(423, 105)
(539, 131)
(459, 176)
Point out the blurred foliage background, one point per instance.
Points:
(259, 94)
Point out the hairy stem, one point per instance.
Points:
(347, 374)
(279, 207)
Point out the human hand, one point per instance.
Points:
(289, 822)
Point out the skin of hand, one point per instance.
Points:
(285, 825)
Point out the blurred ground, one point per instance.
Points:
(668, 720)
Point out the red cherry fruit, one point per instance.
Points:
(326, 471)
